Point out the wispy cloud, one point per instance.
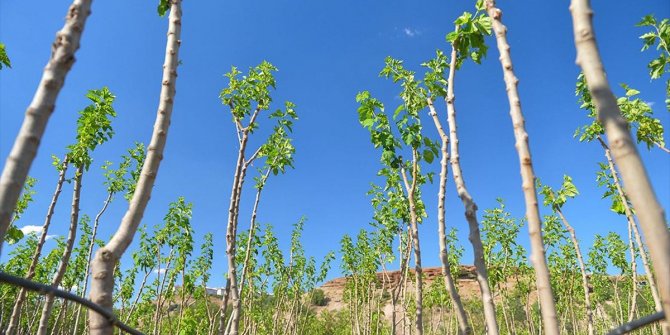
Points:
(410, 32)
(31, 229)
(650, 103)
(160, 271)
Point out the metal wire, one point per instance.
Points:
(46, 289)
(639, 323)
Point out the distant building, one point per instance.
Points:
(216, 291)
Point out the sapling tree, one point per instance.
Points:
(175, 236)
(116, 180)
(414, 89)
(537, 257)
(391, 215)
(625, 154)
(25, 146)
(608, 176)
(638, 114)
(467, 41)
(659, 36)
(408, 124)
(61, 167)
(503, 255)
(15, 234)
(247, 98)
(93, 128)
(278, 152)
(106, 258)
(556, 199)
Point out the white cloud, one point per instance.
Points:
(650, 103)
(31, 229)
(50, 237)
(409, 32)
(160, 271)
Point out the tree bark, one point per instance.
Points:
(41, 107)
(463, 326)
(537, 256)
(633, 225)
(231, 236)
(20, 299)
(62, 266)
(637, 184)
(102, 267)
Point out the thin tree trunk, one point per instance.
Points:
(231, 236)
(638, 186)
(414, 225)
(59, 318)
(463, 326)
(139, 294)
(20, 299)
(182, 295)
(631, 223)
(102, 284)
(633, 275)
(41, 107)
(537, 257)
(62, 267)
(90, 252)
(252, 228)
(662, 147)
(160, 288)
(224, 305)
(469, 204)
(582, 269)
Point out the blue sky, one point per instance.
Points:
(326, 52)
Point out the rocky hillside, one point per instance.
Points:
(334, 289)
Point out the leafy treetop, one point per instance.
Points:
(637, 113)
(94, 127)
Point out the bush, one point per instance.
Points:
(318, 298)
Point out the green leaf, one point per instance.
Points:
(428, 156)
(4, 59)
(647, 20)
(163, 6)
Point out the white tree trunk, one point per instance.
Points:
(41, 107)
(537, 256)
(635, 179)
(102, 267)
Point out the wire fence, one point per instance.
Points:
(637, 324)
(46, 289)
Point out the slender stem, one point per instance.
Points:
(464, 327)
(582, 269)
(468, 202)
(537, 257)
(16, 311)
(62, 266)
